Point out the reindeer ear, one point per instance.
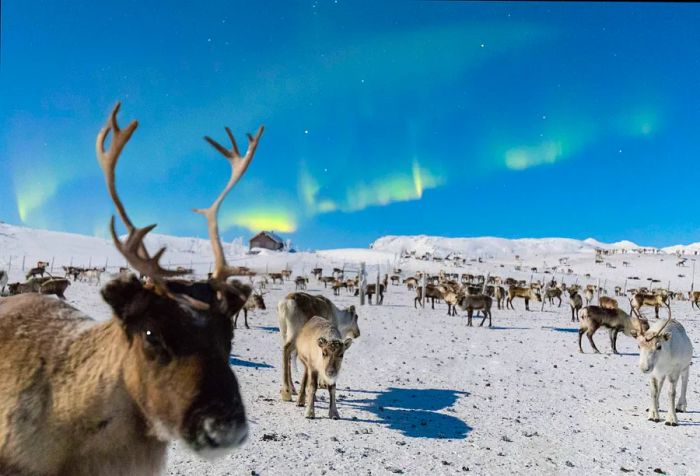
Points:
(347, 343)
(352, 309)
(121, 294)
(666, 336)
(322, 342)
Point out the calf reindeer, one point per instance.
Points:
(525, 293)
(607, 302)
(295, 310)
(320, 348)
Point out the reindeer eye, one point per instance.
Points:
(325, 354)
(151, 338)
(658, 346)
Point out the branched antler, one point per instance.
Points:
(133, 249)
(239, 164)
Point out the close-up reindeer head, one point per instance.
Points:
(179, 332)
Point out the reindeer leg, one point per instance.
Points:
(311, 395)
(613, 339)
(470, 312)
(486, 313)
(235, 320)
(287, 385)
(654, 387)
(332, 409)
(245, 315)
(527, 304)
(656, 311)
(589, 334)
(301, 400)
(682, 404)
(580, 334)
(559, 302)
(671, 418)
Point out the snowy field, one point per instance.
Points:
(420, 392)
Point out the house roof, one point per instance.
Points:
(270, 235)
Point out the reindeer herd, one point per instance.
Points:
(80, 397)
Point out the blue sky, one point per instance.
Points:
(446, 118)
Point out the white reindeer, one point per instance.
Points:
(665, 351)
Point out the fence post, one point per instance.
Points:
(362, 283)
(376, 289)
(23, 260)
(424, 283)
(52, 260)
(9, 266)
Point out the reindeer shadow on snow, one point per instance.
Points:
(413, 412)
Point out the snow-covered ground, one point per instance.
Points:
(421, 393)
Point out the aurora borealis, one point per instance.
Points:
(448, 118)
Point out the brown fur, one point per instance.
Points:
(615, 320)
(320, 348)
(526, 293)
(295, 310)
(84, 398)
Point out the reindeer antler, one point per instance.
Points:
(133, 249)
(239, 164)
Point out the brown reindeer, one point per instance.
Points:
(39, 270)
(432, 292)
(642, 299)
(525, 293)
(607, 302)
(575, 302)
(295, 310)
(480, 302)
(694, 299)
(320, 348)
(255, 301)
(80, 397)
(411, 283)
(300, 282)
(615, 320)
(276, 277)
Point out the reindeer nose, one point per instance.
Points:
(224, 433)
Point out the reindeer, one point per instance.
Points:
(338, 285)
(588, 294)
(476, 302)
(607, 302)
(550, 294)
(641, 299)
(371, 290)
(255, 301)
(317, 272)
(694, 299)
(575, 302)
(300, 283)
(499, 293)
(55, 286)
(295, 310)
(320, 347)
(411, 283)
(432, 292)
(286, 274)
(395, 279)
(326, 280)
(665, 351)
(40, 269)
(615, 320)
(351, 284)
(81, 397)
(525, 293)
(276, 277)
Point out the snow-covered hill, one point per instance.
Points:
(492, 246)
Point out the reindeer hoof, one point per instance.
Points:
(247, 327)
(310, 415)
(681, 408)
(334, 416)
(286, 395)
(671, 423)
